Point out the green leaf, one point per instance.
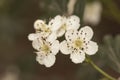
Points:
(111, 51)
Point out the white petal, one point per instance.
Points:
(78, 57)
(55, 47)
(33, 36)
(91, 48)
(39, 58)
(71, 35)
(73, 22)
(52, 37)
(55, 23)
(49, 60)
(64, 47)
(38, 24)
(60, 32)
(86, 33)
(36, 44)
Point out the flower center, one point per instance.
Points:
(61, 29)
(45, 48)
(45, 28)
(78, 43)
(64, 26)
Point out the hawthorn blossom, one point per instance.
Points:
(44, 41)
(42, 30)
(78, 44)
(41, 27)
(46, 51)
(61, 23)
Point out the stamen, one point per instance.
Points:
(78, 43)
(45, 48)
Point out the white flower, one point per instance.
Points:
(78, 43)
(42, 31)
(41, 27)
(60, 24)
(46, 51)
(44, 41)
(92, 13)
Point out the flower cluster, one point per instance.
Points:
(77, 43)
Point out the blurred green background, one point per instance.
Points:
(17, 60)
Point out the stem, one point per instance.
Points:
(99, 70)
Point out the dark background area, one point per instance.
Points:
(16, 22)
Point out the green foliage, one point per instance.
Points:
(86, 72)
(111, 51)
(111, 7)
